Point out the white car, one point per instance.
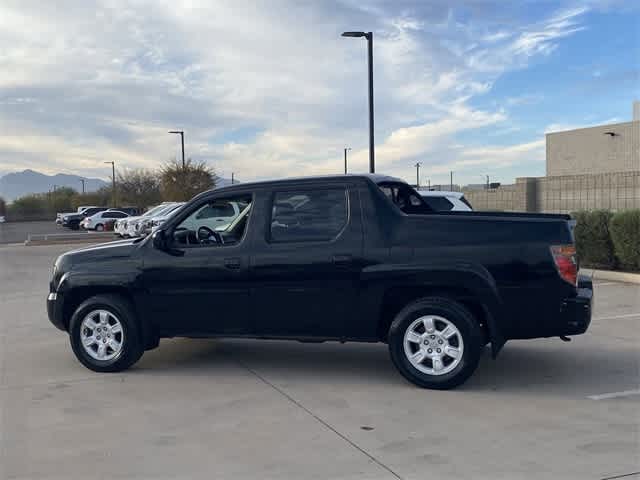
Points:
(443, 201)
(215, 216)
(134, 224)
(121, 226)
(98, 221)
(146, 226)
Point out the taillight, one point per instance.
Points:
(564, 256)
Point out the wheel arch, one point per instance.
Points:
(73, 297)
(476, 292)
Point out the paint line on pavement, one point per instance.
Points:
(606, 396)
(628, 315)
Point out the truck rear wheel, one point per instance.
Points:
(104, 334)
(435, 342)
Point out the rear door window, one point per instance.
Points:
(309, 215)
(438, 204)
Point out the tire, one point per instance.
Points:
(118, 311)
(408, 334)
(99, 227)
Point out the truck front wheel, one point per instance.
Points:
(435, 342)
(104, 334)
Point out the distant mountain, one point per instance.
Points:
(18, 184)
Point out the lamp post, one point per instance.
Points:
(82, 180)
(113, 180)
(369, 37)
(181, 133)
(418, 176)
(345, 159)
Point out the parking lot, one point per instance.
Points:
(267, 409)
(18, 232)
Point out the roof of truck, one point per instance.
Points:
(375, 177)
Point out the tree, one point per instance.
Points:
(100, 198)
(139, 187)
(181, 184)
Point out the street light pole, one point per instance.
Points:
(418, 176)
(181, 133)
(452, 181)
(82, 180)
(369, 37)
(345, 159)
(113, 180)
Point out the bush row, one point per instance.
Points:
(608, 240)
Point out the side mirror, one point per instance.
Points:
(159, 241)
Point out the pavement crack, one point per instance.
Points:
(625, 475)
(326, 424)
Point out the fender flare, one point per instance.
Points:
(469, 277)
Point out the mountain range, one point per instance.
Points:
(17, 184)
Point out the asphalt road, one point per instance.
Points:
(264, 409)
(17, 232)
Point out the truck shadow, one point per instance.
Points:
(543, 365)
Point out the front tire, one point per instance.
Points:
(436, 343)
(99, 227)
(104, 334)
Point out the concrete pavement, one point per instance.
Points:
(248, 409)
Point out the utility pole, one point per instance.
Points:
(181, 133)
(232, 179)
(369, 37)
(488, 182)
(82, 180)
(345, 159)
(113, 179)
(429, 184)
(418, 176)
(452, 181)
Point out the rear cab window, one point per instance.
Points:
(308, 215)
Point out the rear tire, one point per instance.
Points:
(104, 334)
(436, 343)
(99, 227)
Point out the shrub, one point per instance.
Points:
(625, 235)
(593, 240)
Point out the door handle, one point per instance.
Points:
(232, 263)
(341, 259)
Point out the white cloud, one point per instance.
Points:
(100, 81)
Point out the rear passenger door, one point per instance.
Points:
(305, 270)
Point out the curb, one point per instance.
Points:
(625, 277)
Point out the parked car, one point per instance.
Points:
(80, 209)
(216, 216)
(73, 220)
(134, 225)
(131, 211)
(146, 226)
(444, 201)
(99, 221)
(120, 227)
(328, 258)
(1, 218)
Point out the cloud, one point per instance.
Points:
(97, 81)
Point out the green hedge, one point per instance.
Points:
(593, 240)
(625, 235)
(607, 240)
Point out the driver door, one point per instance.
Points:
(198, 284)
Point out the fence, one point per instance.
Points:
(562, 194)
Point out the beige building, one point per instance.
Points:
(594, 150)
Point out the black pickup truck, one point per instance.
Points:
(347, 258)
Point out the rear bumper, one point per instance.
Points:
(575, 312)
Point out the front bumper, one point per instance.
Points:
(575, 312)
(54, 310)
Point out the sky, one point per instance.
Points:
(271, 89)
